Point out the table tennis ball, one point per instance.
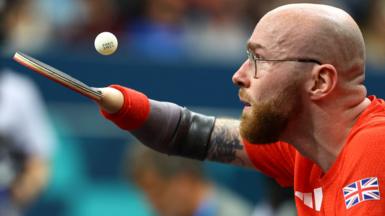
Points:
(106, 43)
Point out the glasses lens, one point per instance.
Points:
(253, 62)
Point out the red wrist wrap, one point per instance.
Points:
(134, 112)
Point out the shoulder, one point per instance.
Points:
(9, 77)
(364, 151)
(369, 138)
(363, 164)
(261, 154)
(367, 135)
(281, 147)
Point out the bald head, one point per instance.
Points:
(309, 59)
(321, 32)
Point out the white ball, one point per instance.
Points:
(106, 43)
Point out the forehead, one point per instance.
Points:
(278, 34)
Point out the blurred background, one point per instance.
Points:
(183, 51)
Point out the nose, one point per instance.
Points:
(240, 77)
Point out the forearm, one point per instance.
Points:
(163, 126)
(31, 181)
(226, 144)
(175, 130)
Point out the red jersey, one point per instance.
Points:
(355, 183)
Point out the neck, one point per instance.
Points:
(326, 133)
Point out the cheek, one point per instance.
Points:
(262, 91)
(271, 84)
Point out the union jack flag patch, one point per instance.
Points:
(360, 191)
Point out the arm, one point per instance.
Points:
(226, 144)
(177, 131)
(31, 138)
(201, 137)
(31, 181)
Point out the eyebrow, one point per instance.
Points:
(253, 46)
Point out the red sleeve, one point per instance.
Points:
(275, 160)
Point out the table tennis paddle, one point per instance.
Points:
(57, 76)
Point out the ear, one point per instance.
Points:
(323, 81)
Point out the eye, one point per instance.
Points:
(258, 56)
(253, 57)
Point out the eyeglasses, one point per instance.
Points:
(254, 60)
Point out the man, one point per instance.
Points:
(27, 139)
(307, 121)
(177, 186)
(26, 143)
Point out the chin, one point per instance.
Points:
(262, 125)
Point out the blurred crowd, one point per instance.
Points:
(179, 186)
(205, 30)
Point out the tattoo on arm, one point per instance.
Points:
(225, 143)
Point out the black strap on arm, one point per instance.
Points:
(192, 135)
(175, 130)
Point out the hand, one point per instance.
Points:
(30, 182)
(112, 100)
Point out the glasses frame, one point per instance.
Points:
(254, 59)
